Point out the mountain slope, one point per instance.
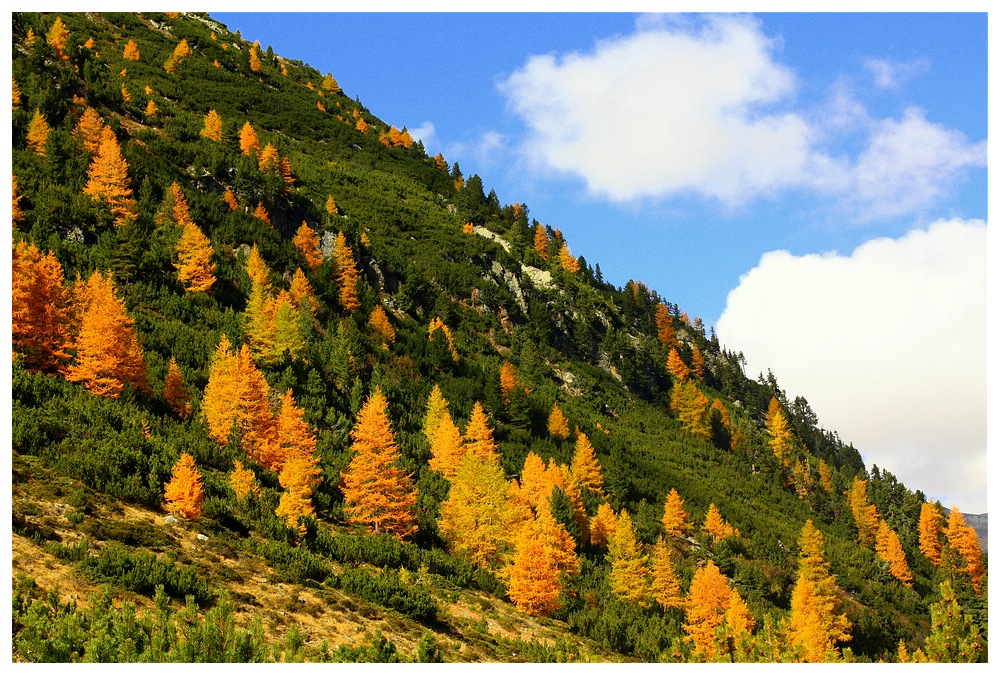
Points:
(430, 245)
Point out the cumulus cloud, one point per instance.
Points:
(704, 107)
(485, 148)
(887, 344)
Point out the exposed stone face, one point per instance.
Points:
(540, 278)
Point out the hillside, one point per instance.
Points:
(287, 388)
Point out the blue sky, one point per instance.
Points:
(687, 151)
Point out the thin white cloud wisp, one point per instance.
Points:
(887, 344)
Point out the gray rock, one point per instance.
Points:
(171, 520)
(202, 537)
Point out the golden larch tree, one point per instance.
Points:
(236, 400)
(536, 485)
(716, 527)
(889, 549)
(57, 36)
(558, 424)
(151, 110)
(781, 434)
(479, 519)
(257, 269)
(585, 468)
(107, 179)
(89, 129)
(697, 363)
(437, 407)
(131, 51)
(261, 213)
(330, 84)
(865, 514)
(15, 208)
(243, 481)
(174, 391)
(331, 206)
(665, 585)
(108, 355)
(38, 133)
(692, 408)
(825, 477)
(254, 60)
(377, 492)
(675, 519)
(963, 539)
(41, 310)
(230, 199)
(307, 241)
(347, 274)
(299, 477)
(15, 94)
(195, 269)
(447, 448)
(380, 322)
(568, 262)
(541, 241)
(931, 528)
(629, 575)
(259, 322)
(212, 128)
(184, 493)
(479, 435)
(289, 436)
(301, 293)
(509, 381)
(288, 328)
(249, 145)
(706, 607)
(602, 525)
(817, 623)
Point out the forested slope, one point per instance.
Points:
(340, 365)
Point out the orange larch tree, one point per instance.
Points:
(508, 381)
(602, 525)
(307, 242)
(230, 199)
(558, 424)
(781, 434)
(249, 145)
(131, 51)
(962, 538)
(331, 206)
(301, 293)
(108, 354)
(697, 363)
(675, 518)
(261, 213)
(534, 585)
(38, 133)
(585, 468)
(716, 527)
(677, 367)
(90, 128)
(257, 269)
(107, 179)
(41, 311)
(174, 391)
(380, 322)
(184, 493)
(57, 36)
(377, 493)
(931, 528)
(541, 241)
(212, 129)
(568, 262)
(347, 274)
(665, 327)
(889, 549)
(692, 408)
(707, 604)
(254, 60)
(536, 484)
(479, 435)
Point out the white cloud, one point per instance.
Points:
(888, 345)
(686, 106)
(486, 148)
(910, 163)
(423, 133)
(890, 74)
